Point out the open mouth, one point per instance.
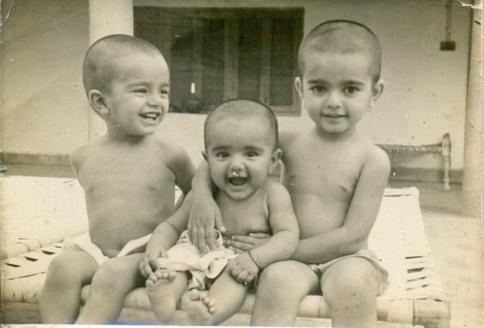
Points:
(238, 181)
(150, 115)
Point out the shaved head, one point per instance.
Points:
(342, 37)
(242, 109)
(100, 65)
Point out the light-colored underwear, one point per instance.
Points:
(184, 256)
(368, 255)
(84, 243)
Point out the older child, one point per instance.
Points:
(336, 179)
(128, 177)
(241, 150)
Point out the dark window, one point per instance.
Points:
(217, 54)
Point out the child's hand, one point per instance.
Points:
(241, 243)
(149, 263)
(205, 216)
(243, 269)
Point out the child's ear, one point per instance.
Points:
(377, 90)
(98, 101)
(276, 156)
(298, 83)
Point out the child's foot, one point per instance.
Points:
(199, 306)
(161, 294)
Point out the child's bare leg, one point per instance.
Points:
(282, 286)
(109, 287)
(224, 299)
(350, 287)
(165, 288)
(60, 298)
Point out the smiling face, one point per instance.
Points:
(138, 97)
(337, 89)
(240, 153)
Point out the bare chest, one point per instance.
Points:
(126, 174)
(242, 218)
(325, 173)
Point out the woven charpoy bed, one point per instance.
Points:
(398, 238)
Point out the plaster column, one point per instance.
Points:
(472, 180)
(107, 17)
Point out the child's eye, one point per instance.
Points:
(165, 92)
(350, 90)
(317, 89)
(141, 91)
(222, 154)
(252, 154)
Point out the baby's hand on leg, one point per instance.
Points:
(150, 262)
(242, 269)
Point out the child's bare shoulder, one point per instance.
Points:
(376, 157)
(172, 154)
(84, 152)
(287, 136)
(276, 191)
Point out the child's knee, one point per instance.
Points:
(112, 277)
(274, 276)
(287, 278)
(63, 271)
(355, 279)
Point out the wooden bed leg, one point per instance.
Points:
(432, 313)
(446, 147)
(400, 311)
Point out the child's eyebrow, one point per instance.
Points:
(317, 81)
(143, 83)
(221, 147)
(137, 83)
(354, 82)
(251, 147)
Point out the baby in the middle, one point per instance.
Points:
(241, 149)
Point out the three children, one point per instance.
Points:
(336, 180)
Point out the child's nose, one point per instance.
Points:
(334, 100)
(236, 164)
(154, 100)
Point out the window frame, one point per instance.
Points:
(153, 16)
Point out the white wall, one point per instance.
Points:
(44, 108)
(425, 88)
(424, 95)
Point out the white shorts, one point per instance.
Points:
(84, 243)
(366, 254)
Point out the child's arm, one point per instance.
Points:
(165, 236)
(360, 217)
(205, 214)
(184, 169)
(280, 246)
(76, 159)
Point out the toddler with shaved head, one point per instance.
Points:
(128, 176)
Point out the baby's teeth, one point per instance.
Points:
(151, 115)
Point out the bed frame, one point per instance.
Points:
(415, 295)
(443, 148)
